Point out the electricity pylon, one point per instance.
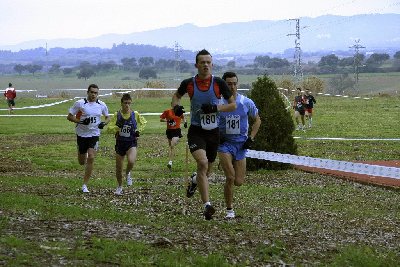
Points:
(298, 69)
(356, 61)
(177, 50)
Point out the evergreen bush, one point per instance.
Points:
(275, 133)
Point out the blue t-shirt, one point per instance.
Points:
(206, 121)
(234, 125)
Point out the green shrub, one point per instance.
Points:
(314, 84)
(275, 134)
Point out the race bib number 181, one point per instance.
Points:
(232, 124)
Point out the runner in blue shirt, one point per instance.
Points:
(235, 139)
(205, 92)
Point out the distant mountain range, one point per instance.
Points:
(376, 32)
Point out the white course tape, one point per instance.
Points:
(337, 165)
(346, 138)
(63, 115)
(41, 106)
(51, 104)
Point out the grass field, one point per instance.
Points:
(369, 83)
(284, 217)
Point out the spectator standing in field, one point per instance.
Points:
(173, 131)
(10, 94)
(310, 101)
(235, 139)
(205, 92)
(87, 113)
(299, 109)
(126, 124)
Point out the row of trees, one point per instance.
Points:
(31, 68)
(148, 67)
(334, 64)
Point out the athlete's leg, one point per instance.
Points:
(202, 168)
(119, 165)
(297, 117)
(170, 152)
(9, 107)
(172, 143)
(131, 156)
(82, 158)
(240, 171)
(226, 163)
(209, 169)
(91, 154)
(302, 120)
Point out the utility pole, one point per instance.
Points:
(298, 69)
(177, 50)
(356, 61)
(47, 66)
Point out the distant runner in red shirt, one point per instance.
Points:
(10, 94)
(173, 131)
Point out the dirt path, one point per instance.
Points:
(361, 178)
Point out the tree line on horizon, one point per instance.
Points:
(92, 62)
(148, 67)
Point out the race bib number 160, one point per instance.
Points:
(208, 121)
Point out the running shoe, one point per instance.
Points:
(192, 186)
(129, 179)
(85, 189)
(230, 214)
(118, 192)
(209, 212)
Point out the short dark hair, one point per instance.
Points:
(229, 74)
(202, 53)
(9, 84)
(92, 86)
(125, 97)
(298, 89)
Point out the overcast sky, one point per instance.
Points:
(25, 20)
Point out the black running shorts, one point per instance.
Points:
(171, 133)
(121, 147)
(207, 140)
(84, 143)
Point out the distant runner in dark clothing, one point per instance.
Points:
(310, 101)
